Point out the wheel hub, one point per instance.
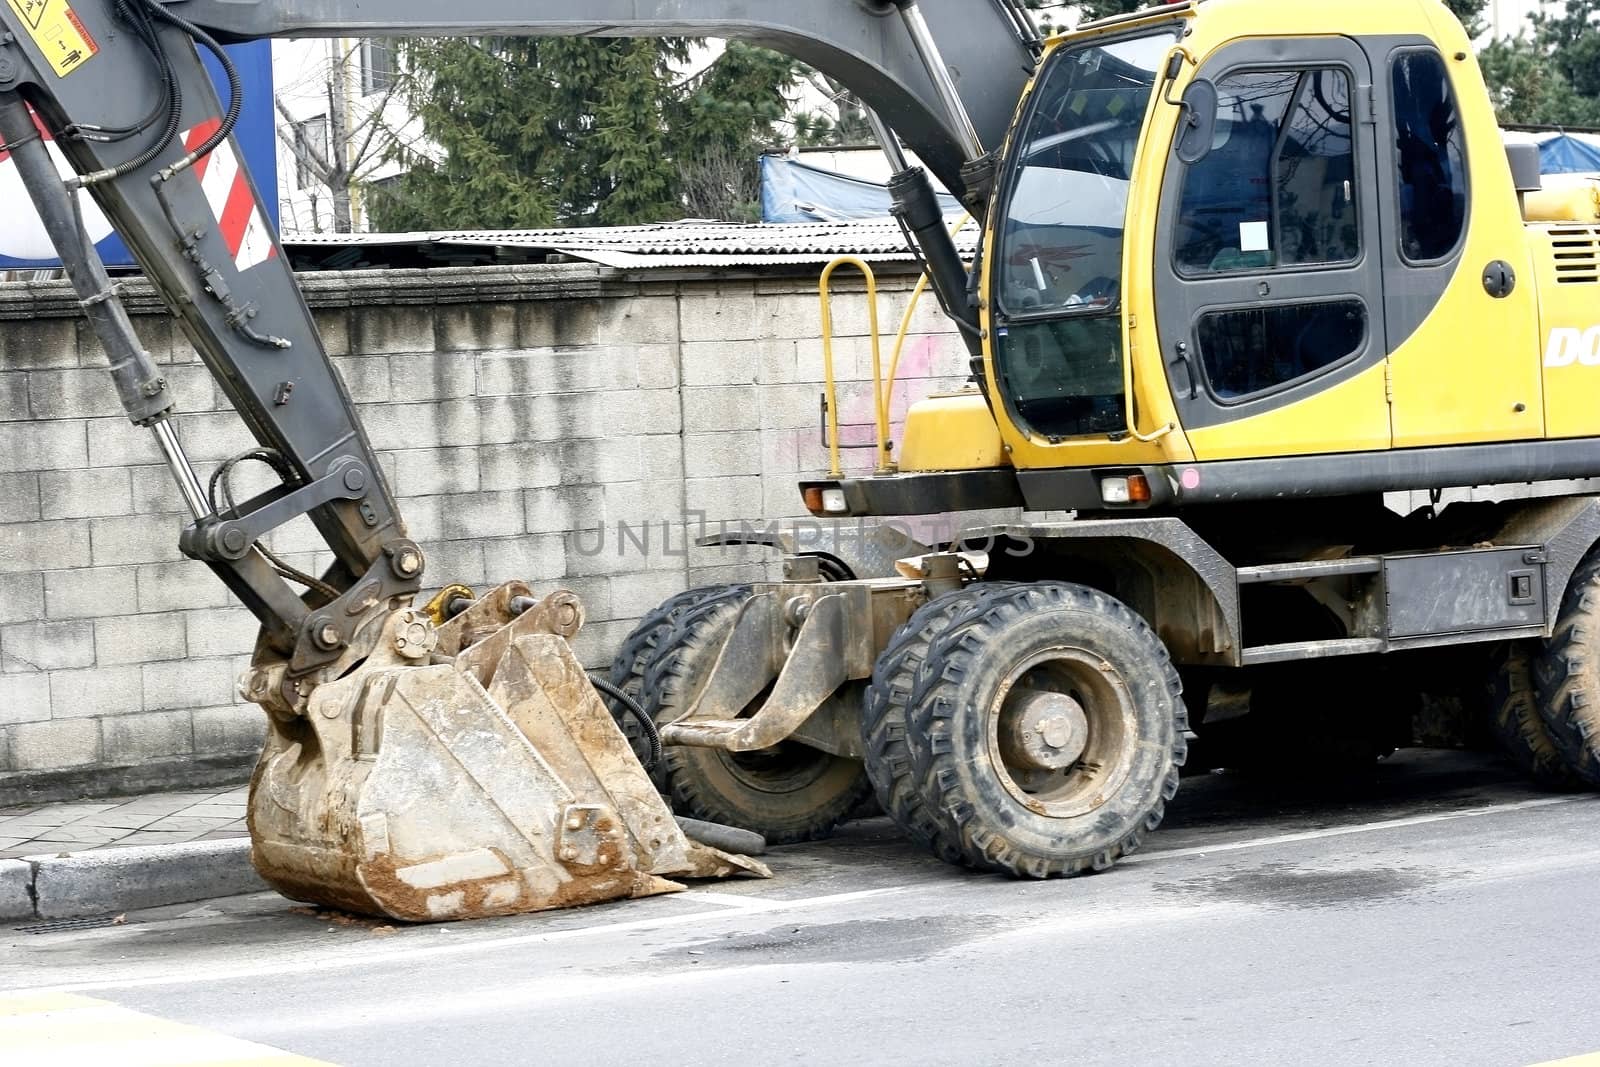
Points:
(1043, 731)
(1061, 732)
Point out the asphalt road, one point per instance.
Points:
(1439, 913)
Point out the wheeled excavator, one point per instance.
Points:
(1246, 267)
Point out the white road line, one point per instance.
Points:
(738, 903)
(1358, 828)
(727, 904)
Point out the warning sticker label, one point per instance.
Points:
(32, 10)
(58, 32)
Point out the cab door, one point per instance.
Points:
(1464, 355)
(1269, 286)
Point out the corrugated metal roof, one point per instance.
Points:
(681, 244)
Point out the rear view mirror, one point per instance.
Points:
(1199, 125)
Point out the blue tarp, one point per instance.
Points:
(1570, 153)
(792, 191)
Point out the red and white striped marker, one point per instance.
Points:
(239, 220)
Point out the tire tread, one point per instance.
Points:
(694, 633)
(1566, 674)
(883, 717)
(952, 653)
(1515, 720)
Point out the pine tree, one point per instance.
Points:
(725, 119)
(1552, 75)
(531, 132)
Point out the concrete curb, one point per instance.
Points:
(112, 880)
(16, 890)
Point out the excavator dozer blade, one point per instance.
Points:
(487, 779)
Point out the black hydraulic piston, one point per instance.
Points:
(140, 385)
(917, 207)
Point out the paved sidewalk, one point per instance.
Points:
(153, 819)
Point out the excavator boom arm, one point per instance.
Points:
(120, 86)
(860, 43)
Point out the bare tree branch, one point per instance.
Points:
(376, 118)
(304, 152)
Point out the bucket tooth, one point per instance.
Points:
(491, 784)
(708, 862)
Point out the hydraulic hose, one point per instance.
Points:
(230, 118)
(633, 707)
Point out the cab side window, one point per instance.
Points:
(1278, 189)
(1250, 351)
(1431, 160)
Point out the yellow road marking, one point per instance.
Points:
(69, 1030)
(1590, 1060)
(30, 1003)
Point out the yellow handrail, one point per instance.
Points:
(905, 329)
(882, 388)
(879, 413)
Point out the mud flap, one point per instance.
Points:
(490, 784)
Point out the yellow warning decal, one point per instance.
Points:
(58, 32)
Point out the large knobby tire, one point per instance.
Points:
(1514, 718)
(883, 714)
(790, 792)
(1046, 730)
(1566, 675)
(633, 658)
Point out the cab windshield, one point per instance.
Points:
(1059, 272)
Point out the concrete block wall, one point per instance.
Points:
(518, 412)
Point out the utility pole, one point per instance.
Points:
(340, 55)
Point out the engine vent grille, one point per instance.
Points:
(1577, 253)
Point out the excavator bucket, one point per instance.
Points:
(462, 771)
